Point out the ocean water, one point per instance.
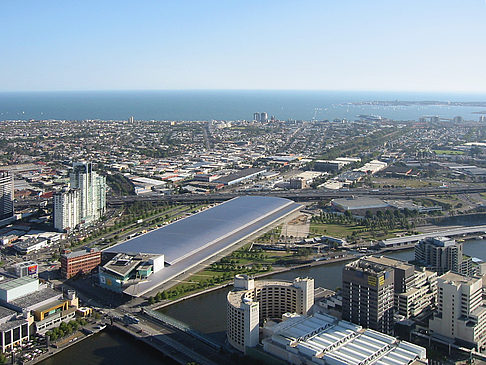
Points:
(225, 105)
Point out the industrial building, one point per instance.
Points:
(79, 262)
(461, 313)
(192, 240)
(322, 339)
(359, 205)
(240, 176)
(330, 165)
(251, 302)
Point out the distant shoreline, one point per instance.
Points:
(424, 102)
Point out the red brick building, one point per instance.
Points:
(82, 262)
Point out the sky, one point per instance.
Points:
(396, 45)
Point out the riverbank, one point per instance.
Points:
(110, 346)
(278, 271)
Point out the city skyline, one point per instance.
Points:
(312, 45)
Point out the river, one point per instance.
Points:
(211, 307)
(109, 347)
(206, 313)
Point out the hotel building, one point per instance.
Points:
(251, 302)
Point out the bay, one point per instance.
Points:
(225, 105)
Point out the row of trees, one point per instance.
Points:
(65, 329)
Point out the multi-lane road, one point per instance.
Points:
(301, 195)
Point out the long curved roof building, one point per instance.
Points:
(192, 240)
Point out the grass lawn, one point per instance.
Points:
(343, 231)
(409, 182)
(334, 230)
(448, 152)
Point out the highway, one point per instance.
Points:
(300, 195)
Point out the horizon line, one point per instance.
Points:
(252, 90)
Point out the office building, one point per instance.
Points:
(442, 254)
(322, 339)
(263, 117)
(92, 191)
(79, 262)
(461, 314)
(368, 295)
(6, 195)
(256, 117)
(66, 209)
(415, 290)
(251, 302)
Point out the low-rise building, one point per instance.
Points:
(322, 339)
(79, 262)
(31, 245)
(26, 268)
(42, 306)
(359, 205)
(123, 270)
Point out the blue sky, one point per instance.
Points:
(413, 45)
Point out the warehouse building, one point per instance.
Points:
(359, 205)
(240, 176)
(192, 240)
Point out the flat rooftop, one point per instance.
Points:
(74, 254)
(185, 237)
(457, 278)
(360, 203)
(36, 298)
(123, 264)
(8, 284)
(239, 175)
(387, 261)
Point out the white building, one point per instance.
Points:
(66, 209)
(6, 195)
(322, 339)
(250, 303)
(443, 254)
(461, 314)
(92, 191)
